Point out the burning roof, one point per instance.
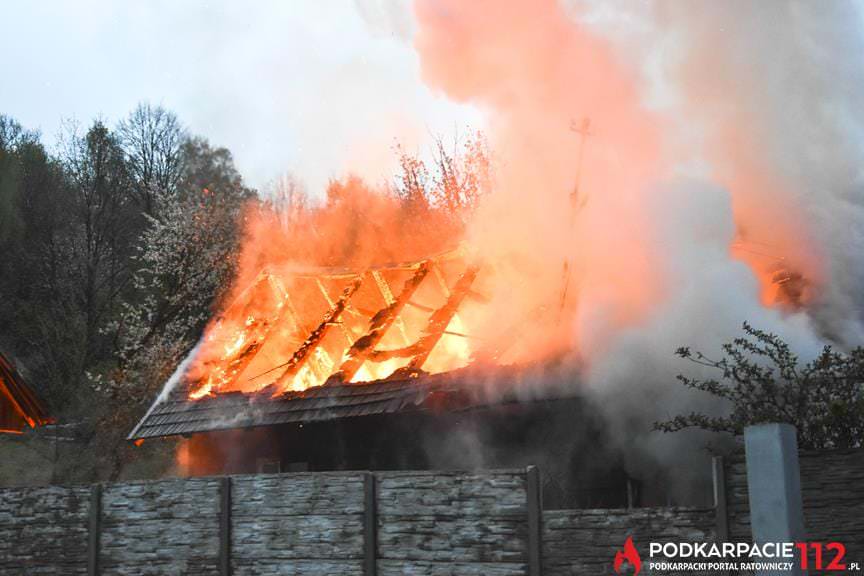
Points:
(19, 405)
(303, 345)
(457, 390)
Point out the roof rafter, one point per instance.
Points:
(258, 328)
(436, 326)
(21, 398)
(379, 324)
(302, 354)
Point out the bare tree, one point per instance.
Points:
(13, 135)
(212, 168)
(289, 199)
(462, 175)
(153, 140)
(101, 238)
(455, 182)
(186, 258)
(96, 295)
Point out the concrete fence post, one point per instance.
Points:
(370, 525)
(721, 508)
(774, 486)
(535, 519)
(225, 526)
(94, 530)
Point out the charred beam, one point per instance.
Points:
(256, 329)
(379, 325)
(389, 299)
(301, 356)
(332, 304)
(419, 306)
(440, 319)
(436, 326)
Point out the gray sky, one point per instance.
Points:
(314, 88)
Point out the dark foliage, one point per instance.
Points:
(103, 233)
(763, 381)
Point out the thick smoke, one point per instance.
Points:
(776, 90)
(535, 73)
(761, 101)
(766, 96)
(725, 146)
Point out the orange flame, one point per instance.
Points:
(298, 321)
(564, 255)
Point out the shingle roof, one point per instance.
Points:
(177, 414)
(267, 341)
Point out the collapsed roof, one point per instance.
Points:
(19, 406)
(311, 345)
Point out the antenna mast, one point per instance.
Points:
(584, 130)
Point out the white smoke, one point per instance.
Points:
(709, 296)
(762, 108)
(788, 79)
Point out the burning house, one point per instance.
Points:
(334, 369)
(20, 407)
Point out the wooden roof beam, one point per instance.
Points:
(379, 324)
(304, 352)
(436, 326)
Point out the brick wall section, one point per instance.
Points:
(43, 531)
(297, 524)
(169, 528)
(432, 523)
(584, 542)
(832, 486)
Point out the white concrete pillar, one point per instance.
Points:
(774, 484)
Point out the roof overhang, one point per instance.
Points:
(463, 389)
(20, 407)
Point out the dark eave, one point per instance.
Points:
(461, 389)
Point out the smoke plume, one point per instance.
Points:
(725, 148)
(664, 171)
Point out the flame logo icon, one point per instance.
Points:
(628, 555)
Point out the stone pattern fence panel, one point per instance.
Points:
(577, 542)
(44, 531)
(428, 523)
(832, 487)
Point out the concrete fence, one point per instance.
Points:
(832, 487)
(584, 542)
(424, 523)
